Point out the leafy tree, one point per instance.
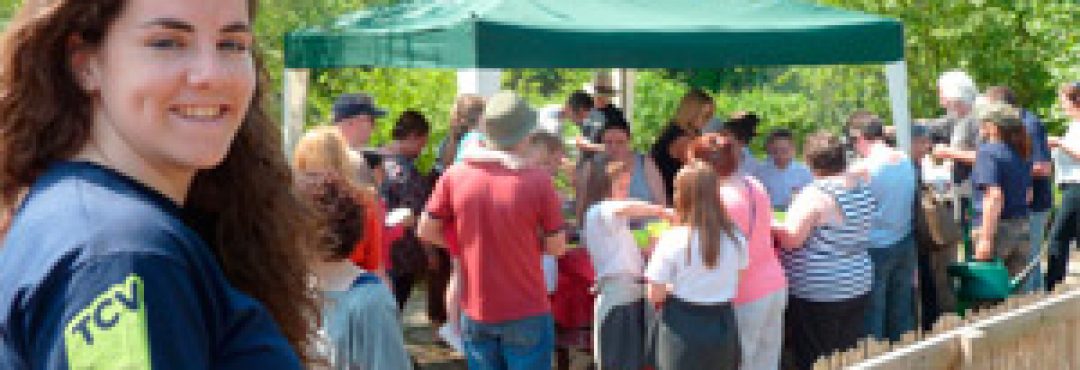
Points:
(1031, 45)
(7, 9)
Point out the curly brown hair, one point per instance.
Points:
(337, 205)
(256, 226)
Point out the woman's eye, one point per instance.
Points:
(233, 45)
(165, 44)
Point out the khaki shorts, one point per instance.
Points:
(1012, 243)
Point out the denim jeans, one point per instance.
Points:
(524, 344)
(1034, 280)
(891, 309)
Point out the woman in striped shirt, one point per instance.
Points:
(824, 254)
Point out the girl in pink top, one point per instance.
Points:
(762, 292)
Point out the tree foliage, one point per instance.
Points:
(1030, 45)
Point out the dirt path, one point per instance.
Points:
(421, 340)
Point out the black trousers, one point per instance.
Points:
(437, 279)
(928, 296)
(1063, 232)
(821, 328)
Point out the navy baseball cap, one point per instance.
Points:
(352, 105)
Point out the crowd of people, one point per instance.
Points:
(151, 220)
(744, 262)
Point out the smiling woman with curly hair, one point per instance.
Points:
(150, 220)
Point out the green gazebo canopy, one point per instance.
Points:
(595, 34)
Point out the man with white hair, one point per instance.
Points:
(957, 93)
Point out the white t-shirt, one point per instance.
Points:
(608, 239)
(1067, 167)
(550, 264)
(694, 282)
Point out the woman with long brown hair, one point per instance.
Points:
(670, 150)
(693, 275)
(762, 293)
(152, 218)
(620, 311)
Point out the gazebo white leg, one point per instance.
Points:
(295, 94)
(624, 81)
(896, 74)
(481, 81)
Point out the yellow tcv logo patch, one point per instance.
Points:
(111, 332)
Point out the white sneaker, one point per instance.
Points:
(451, 337)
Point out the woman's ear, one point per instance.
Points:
(83, 64)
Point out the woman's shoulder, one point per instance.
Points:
(47, 244)
(995, 149)
(595, 211)
(755, 185)
(97, 218)
(815, 190)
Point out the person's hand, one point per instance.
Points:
(984, 249)
(858, 173)
(672, 217)
(580, 142)
(942, 152)
(668, 214)
(585, 145)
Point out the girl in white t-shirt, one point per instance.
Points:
(620, 315)
(693, 276)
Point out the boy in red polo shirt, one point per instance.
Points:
(496, 203)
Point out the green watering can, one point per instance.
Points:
(980, 281)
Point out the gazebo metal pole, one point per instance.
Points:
(896, 74)
(295, 94)
(624, 81)
(481, 81)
